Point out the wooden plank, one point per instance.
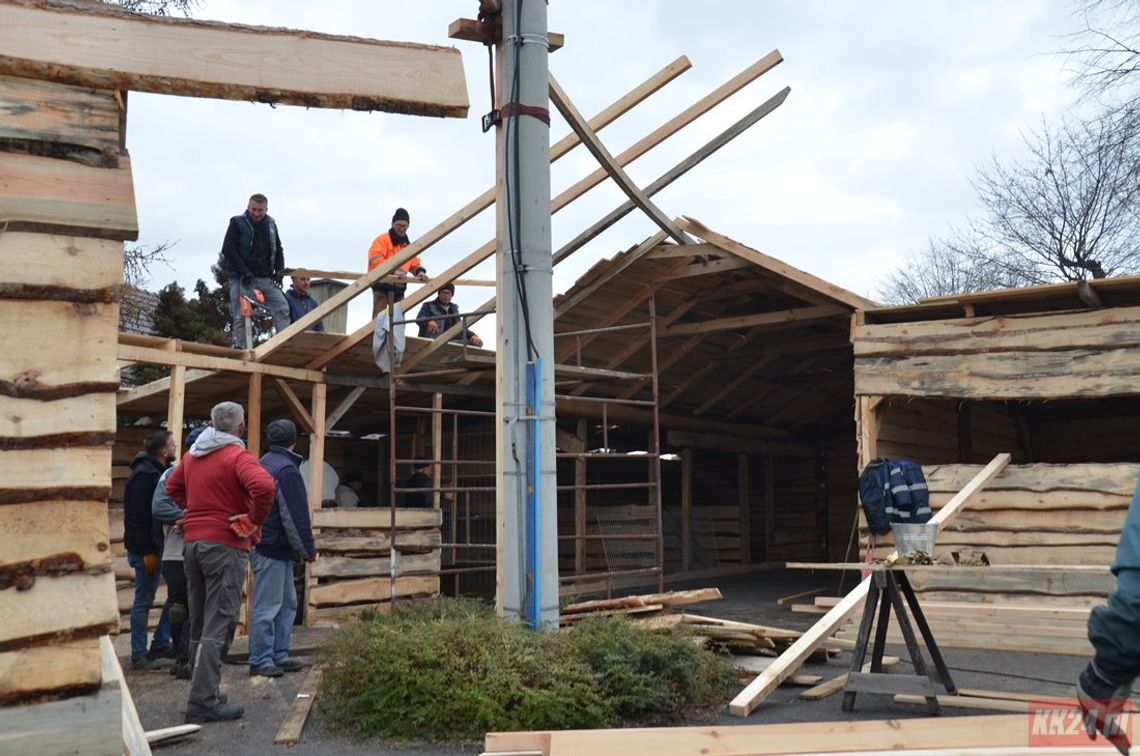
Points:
(795, 315)
(61, 535)
(176, 409)
(788, 662)
(88, 724)
(45, 264)
(253, 411)
(290, 731)
(669, 598)
(89, 414)
(1017, 375)
(76, 469)
(73, 606)
(81, 361)
(469, 29)
(379, 543)
(796, 597)
(296, 407)
(1053, 479)
(799, 277)
(67, 668)
(349, 567)
(108, 48)
(166, 734)
(964, 702)
(152, 356)
(895, 735)
(372, 589)
(686, 508)
(594, 145)
(32, 110)
(134, 736)
(45, 195)
(379, 518)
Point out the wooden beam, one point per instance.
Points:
(49, 196)
(732, 385)
(343, 408)
(78, 122)
(580, 501)
(107, 48)
(711, 267)
(485, 200)
(745, 509)
(208, 362)
(799, 277)
(176, 407)
(686, 509)
(1087, 294)
(253, 416)
(791, 660)
(290, 731)
(567, 303)
(296, 406)
(780, 318)
(579, 126)
(467, 29)
(342, 275)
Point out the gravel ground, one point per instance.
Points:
(161, 699)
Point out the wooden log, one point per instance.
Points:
(379, 518)
(60, 267)
(790, 660)
(67, 668)
(82, 357)
(108, 48)
(371, 589)
(59, 609)
(348, 567)
(51, 196)
(54, 537)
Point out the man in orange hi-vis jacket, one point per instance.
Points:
(384, 246)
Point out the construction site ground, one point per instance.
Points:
(161, 699)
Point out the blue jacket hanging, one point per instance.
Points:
(893, 490)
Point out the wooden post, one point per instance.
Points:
(252, 414)
(176, 407)
(867, 424)
(437, 450)
(686, 509)
(769, 506)
(580, 500)
(745, 512)
(316, 478)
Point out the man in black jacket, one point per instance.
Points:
(254, 259)
(444, 314)
(144, 545)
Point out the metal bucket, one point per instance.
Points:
(912, 537)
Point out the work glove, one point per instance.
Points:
(242, 526)
(1102, 702)
(432, 326)
(150, 564)
(311, 557)
(246, 280)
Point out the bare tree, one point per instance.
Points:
(946, 267)
(157, 7)
(1107, 50)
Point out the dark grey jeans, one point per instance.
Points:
(214, 577)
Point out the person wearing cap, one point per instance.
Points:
(168, 514)
(385, 246)
(444, 314)
(225, 495)
(286, 537)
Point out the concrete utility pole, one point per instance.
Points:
(526, 495)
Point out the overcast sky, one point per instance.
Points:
(893, 105)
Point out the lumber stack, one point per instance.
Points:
(365, 563)
(66, 204)
(645, 604)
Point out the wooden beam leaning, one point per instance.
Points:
(781, 317)
(791, 660)
(296, 406)
(806, 280)
(579, 126)
(108, 48)
(664, 180)
(473, 208)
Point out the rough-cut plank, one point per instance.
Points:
(164, 734)
(1008, 375)
(372, 589)
(1119, 478)
(788, 662)
(54, 469)
(108, 48)
(134, 736)
(60, 196)
(791, 738)
(50, 263)
(66, 668)
(88, 724)
(671, 598)
(1015, 583)
(74, 606)
(82, 357)
(379, 518)
(290, 730)
(25, 419)
(348, 567)
(61, 535)
(38, 114)
(328, 541)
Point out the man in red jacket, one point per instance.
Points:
(225, 494)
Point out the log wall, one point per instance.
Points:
(64, 222)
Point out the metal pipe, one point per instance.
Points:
(605, 329)
(392, 558)
(604, 399)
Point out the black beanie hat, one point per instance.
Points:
(401, 215)
(281, 433)
(448, 286)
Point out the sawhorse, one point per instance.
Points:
(888, 588)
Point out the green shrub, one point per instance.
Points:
(452, 670)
